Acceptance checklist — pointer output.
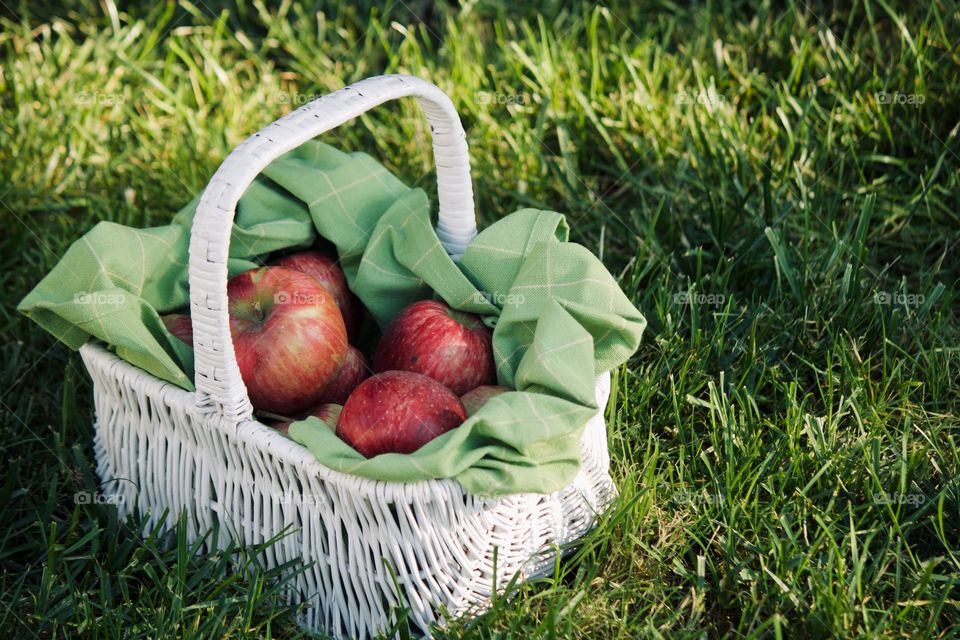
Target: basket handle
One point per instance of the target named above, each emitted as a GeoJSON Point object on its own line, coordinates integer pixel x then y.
{"type": "Point", "coordinates": [219, 386]}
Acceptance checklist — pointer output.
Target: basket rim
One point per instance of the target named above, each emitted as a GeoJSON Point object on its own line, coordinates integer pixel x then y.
{"type": "Point", "coordinates": [262, 437]}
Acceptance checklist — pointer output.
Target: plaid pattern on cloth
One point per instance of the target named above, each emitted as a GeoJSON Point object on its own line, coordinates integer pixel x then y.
{"type": "Point", "coordinates": [559, 317]}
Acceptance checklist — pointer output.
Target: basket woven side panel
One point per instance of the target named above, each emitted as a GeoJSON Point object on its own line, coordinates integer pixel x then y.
{"type": "Point", "coordinates": [374, 546]}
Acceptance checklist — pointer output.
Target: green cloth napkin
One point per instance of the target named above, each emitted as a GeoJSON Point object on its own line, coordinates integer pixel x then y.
{"type": "Point", "coordinates": [559, 317]}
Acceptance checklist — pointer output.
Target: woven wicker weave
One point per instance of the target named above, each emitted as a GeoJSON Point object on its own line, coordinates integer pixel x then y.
{"type": "Point", "coordinates": [205, 455]}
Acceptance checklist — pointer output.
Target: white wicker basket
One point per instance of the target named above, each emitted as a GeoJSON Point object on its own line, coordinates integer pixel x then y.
{"type": "Point", "coordinates": [205, 455]}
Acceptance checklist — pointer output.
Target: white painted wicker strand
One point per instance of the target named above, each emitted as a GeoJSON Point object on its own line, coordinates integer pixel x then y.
{"type": "Point", "coordinates": [160, 448]}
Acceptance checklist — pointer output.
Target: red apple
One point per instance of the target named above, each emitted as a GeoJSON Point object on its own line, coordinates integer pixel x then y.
{"type": "Point", "coordinates": [475, 398]}
{"type": "Point", "coordinates": [398, 412]}
{"type": "Point", "coordinates": [428, 337]}
{"type": "Point", "coordinates": [180, 326]}
{"type": "Point", "coordinates": [288, 336]}
{"type": "Point", "coordinates": [326, 271]}
{"type": "Point", "coordinates": [355, 370]}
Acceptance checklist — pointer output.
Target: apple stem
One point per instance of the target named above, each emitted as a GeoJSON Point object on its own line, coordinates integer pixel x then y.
{"type": "Point", "coordinates": [273, 416]}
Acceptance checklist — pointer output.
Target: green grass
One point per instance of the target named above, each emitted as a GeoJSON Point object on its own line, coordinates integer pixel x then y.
{"type": "Point", "coordinates": [760, 177]}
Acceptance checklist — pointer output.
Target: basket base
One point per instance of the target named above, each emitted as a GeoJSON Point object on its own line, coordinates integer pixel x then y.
{"type": "Point", "coordinates": [372, 547]}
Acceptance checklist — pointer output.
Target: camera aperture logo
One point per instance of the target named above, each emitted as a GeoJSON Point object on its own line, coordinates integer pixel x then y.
{"type": "Point", "coordinates": [496, 97]}
{"type": "Point", "coordinates": [500, 299]}
{"type": "Point", "coordinates": [899, 298]}
{"type": "Point", "coordinates": [100, 298]}
{"type": "Point", "coordinates": [299, 298]}
{"type": "Point", "coordinates": [910, 499]}
{"type": "Point", "coordinates": [96, 497]}
{"type": "Point", "coordinates": [698, 298]}
{"type": "Point", "coordinates": [295, 99]}
{"type": "Point", "coordinates": [900, 99]}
